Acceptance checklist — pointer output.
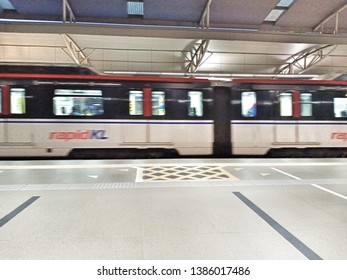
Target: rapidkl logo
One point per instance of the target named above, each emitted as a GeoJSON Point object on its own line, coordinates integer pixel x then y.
{"type": "Point", "coordinates": [339, 136]}
{"type": "Point", "coordinates": [78, 135]}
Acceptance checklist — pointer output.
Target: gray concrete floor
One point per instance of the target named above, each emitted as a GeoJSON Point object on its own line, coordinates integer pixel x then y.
{"type": "Point", "coordinates": [296, 209]}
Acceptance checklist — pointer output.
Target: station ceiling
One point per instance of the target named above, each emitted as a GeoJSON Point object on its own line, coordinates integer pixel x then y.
{"type": "Point", "coordinates": [219, 38]}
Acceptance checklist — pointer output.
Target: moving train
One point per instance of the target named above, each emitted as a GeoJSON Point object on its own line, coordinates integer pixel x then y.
{"type": "Point", "coordinates": [75, 112]}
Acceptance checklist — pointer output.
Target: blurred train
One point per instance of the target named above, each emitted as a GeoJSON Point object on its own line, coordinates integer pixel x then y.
{"type": "Point", "coordinates": [74, 112]}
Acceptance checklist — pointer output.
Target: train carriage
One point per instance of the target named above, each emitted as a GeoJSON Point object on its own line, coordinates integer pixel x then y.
{"type": "Point", "coordinates": [74, 112]}
{"type": "Point", "coordinates": [78, 115]}
{"type": "Point", "coordinates": [289, 117]}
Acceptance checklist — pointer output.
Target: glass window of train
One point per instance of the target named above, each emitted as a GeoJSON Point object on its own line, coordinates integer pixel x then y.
{"type": "Point", "coordinates": [78, 92]}
{"type": "Point", "coordinates": [306, 104]}
{"type": "Point", "coordinates": [249, 104]}
{"type": "Point", "coordinates": [286, 104]}
{"type": "Point", "coordinates": [340, 107]}
{"type": "Point", "coordinates": [136, 102]}
{"type": "Point", "coordinates": [195, 108]}
{"type": "Point", "coordinates": [76, 102]}
{"type": "Point", "coordinates": [77, 106]}
{"type": "Point", "coordinates": [17, 101]}
{"type": "Point", "coordinates": [0, 101]}
{"type": "Point", "coordinates": [158, 103]}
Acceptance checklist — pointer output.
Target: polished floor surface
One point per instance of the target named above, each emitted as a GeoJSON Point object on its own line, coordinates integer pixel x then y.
{"type": "Point", "coordinates": [174, 209]}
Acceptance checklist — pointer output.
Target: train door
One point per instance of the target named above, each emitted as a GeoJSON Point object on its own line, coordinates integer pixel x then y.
{"type": "Point", "coordinates": [13, 103]}
{"type": "Point", "coordinates": [137, 130]}
{"type": "Point", "coordinates": [19, 131]}
{"type": "Point", "coordinates": [146, 103]}
{"type": "Point", "coordinates": [1, 119]}
{"type": "Point", "coordinates": [159, 132]}
{"type": "Point", "coordinates": [4, 112]}
{"type": "Point", "coordinates": [286, 127]}
{"type": "Point", "coordinates": [293, 106]}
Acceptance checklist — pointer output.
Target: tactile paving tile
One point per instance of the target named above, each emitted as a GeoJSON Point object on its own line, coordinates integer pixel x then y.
{"type": "Point", "coordinates": [184, 173]}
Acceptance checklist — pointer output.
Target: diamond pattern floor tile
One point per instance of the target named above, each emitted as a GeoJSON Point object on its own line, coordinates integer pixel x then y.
{"type": "Point", "coordinates": [185, 173]}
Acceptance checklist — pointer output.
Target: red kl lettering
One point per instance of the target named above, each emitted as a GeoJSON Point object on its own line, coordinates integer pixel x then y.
{"type": "Point", "coordinates": [339, 136]}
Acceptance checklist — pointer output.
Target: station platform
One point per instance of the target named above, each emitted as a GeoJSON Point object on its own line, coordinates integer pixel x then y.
{"type": "Point", "coordinates": [215, 209]}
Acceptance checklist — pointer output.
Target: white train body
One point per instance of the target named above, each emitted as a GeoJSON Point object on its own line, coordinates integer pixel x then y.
{"type": "Point", "coordinates": [260, 137]}
{"type": "Point", "coordinates": [53, 138]}
{"type": "Point", "coordinates": [88, 115]}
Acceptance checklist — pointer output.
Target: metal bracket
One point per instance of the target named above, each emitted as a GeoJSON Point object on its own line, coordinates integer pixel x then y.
{"type": "Point", "coordinates": [300, 62]}
{"type": "Point", "coordinates": [336, 15]}
{"type": "Point", "coordinates": [74, 51]}
{"type": "Point", "coordinates": [196, 56]}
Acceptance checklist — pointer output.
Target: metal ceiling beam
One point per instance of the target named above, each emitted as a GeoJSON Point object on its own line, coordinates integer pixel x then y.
{"type": "Point", "coordinates": [173, 32]}
{"type": "Point", "coordinates": [302, 61]}
{"type": "Point", "coordinates": [74, 51]}
{"type": "Point", "coordinates": [336, 15]}
{"type": "Point", "coordinates": [205, 19]}
{"type": "Point", "coordinates": [68, 10]}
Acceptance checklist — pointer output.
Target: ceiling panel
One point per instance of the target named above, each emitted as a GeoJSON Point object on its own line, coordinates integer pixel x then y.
{"type": "Point", "coordinates": [178, 10]}
{"type": "Point", "coordinates": [117, 42]}
{"type": "Point", "coordinates": [142, 45]}
{"type": "Point", "coordinates": [256, 47]}
{"type": "Point", "coordinates": [81, 8]}
{"type": "Point", "coordinates": [31, 39]}
{"type": "Point", "coordinates": [303, 14]}
{"type": "Point", "coordinates": [241, 12]}
{"type": "Point", "coordinates": [309, 13]}
{"type": "Point", "coordinates": [112, 53]}
{"type": "Point", "coordinates": [102, 8]}
{"type": "Point", "coordinates": [38, 7]}
{"type": "Point", "coordinates": [341, 50]}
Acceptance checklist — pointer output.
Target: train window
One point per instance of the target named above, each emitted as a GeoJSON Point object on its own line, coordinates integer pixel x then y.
{"type": "Point", "coordinates": [249, 104]}
{"type": "Point", "coordinates": [158, 103]}
{"type": "Point", "coordinates": [79, 92]}
{"type": "Point", "coordinates": [0, 101]}
{"type": "Point", "coordinates": [136, 102]}
{"type": "Point", "coordinates": [306, 104]}
{"type": "Point", "coordinates": [340, 107]}
{"type": "Point", "coordinates": [286, 104]}
{"type": "Point", "coordinates": [17, 101]}
{"type": "Point", "coordinates": [195, 108]}
{"type": "Point", "coordinates": [78, 102]}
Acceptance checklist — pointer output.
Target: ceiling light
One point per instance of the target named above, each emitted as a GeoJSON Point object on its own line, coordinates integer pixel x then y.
{"type": "Point", "coordinates": [285, 3]}
{"type": "Point", "coordinates": [135, 7]}
{"type": "Point", "coordinates": [281, 7]}
{"type": "Point", "coordinates": [6, 5]}
{"type": "Point", "coordinates": [274, 15]}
